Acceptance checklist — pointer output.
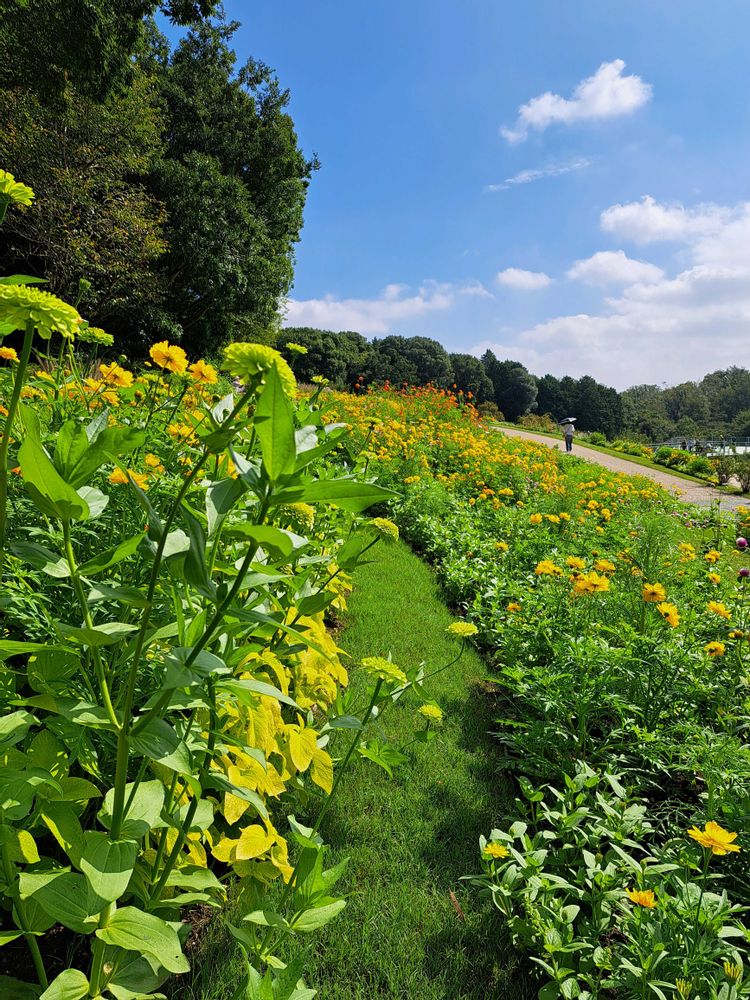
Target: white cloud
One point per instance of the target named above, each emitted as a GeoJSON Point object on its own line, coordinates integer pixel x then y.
{"type": "Point", "coordinates": [648, 221]}
{"type": "Point", "coordinates": [670, 329]}
{"type": "Point", "coordinates": [376, 315]}
{"type": "Point", "coordinates": [614, 267]}
{"type": "Point", "coordinates": [527, 281]}
{"type": "Point", "coordinates": [606, 94]}
{"type": "Point", "coordinates": [537, 174]}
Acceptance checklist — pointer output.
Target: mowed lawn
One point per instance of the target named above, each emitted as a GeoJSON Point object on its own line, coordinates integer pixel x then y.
{"type": "Point", "coordinates": [409, 839]}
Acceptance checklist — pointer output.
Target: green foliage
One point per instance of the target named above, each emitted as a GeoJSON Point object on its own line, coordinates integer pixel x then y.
{"type": "Point", "coordinates": [515, 388]}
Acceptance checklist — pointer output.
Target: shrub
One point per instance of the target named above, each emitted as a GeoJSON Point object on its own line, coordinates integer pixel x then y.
{"type": "Point", "coordinates": [490, 411]}
{"type": "Point", "coordinates": [596, 437]}
{"type": "Point", "coordinates": [742, 472]}
{"type": "Point", "coordinates": [699, 466]}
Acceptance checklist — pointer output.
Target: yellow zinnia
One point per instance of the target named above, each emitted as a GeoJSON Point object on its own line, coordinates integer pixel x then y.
{"type": "Point", "coordinates": [22, 304]}
{"type": "Point", "coordinates": [8, 354]}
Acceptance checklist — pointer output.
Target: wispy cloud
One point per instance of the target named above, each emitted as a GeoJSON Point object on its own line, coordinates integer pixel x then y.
{"type": "Point", "coordinates": [606, 94]}
{"type": "Point", "coordinates": [526, 281]}
{"type": "Point", "coordinates": [539, 173]}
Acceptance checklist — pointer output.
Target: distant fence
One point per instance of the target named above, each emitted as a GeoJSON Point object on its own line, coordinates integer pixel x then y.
{"type": "Point", "coordinates": [708, 446]}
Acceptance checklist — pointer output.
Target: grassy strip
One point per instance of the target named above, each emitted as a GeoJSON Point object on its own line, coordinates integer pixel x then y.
{"type": "Point", "coordinates": [409, 839]}
{"type": "Point", "coordinates": [635, 459]}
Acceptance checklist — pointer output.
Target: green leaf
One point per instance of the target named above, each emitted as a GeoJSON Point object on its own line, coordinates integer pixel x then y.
{"type": "Point", "coordinates": [96, 500]}
{"type": "Point", "coordinates": [22, 279]}
{"type": "Point", "coordinates": [122, 595]}
{"type": "Point", "coordinates": [108, 864]}
{"type": "Point", "coordinates": [69, 985]}
{"type": "Point", "coordinates": [220, 499]}
{"type": "Point", "coordinates": [62, 822]}
{"type": "Point", "coordinates": [317, 917]}
{"type": "Point", "coordinates": [136, 930]}
{"type": "Point", "coordinates": [135, 975]}
{"type": "Point", "coordinates": [14, 989]}
{"type": "Point", "coordinates": [247, 690]}
{"type": "Point", "coordinates": [63, 895]}
{"type": "Point", "coordinates": [73, 453]}
{"type": "Point", "coordinates": [265, 918]}
{"type": "Point", "coordinates": [50, 667]}
{"type": "Point", "coordinates": [276, 542]}
{"type": "Point", "coordinates": [349, 494]}
{"type": "Point", "coordinates": [196, 569]}
{"type": "Point", "coordinates": [7, 936]}
{"type": "Point", "coordinates": [218, 780]}
{"type": "Point", "coordinates": [179, 675]}
{"type": "Point", "coordinates": [145, 810]}
{"type": "Point", "coordinates": [14, 726]}
{"type": "Point", "coordinates": [10, 648]}
{"type": "Point", "coordinates": [18, 790]}
{"type": "Point", "coordinates": [100, 635]}
{"type": "Point", "coordinates": [160, 742]}
{"type": "Point", "coordinates": [112, 556]}
{"type": "Point", "coordinates": [274, 425]}
{"type": "Point", "coordinates": [48, 490]}
{"type": "Point", "coordinates": [42, 558]}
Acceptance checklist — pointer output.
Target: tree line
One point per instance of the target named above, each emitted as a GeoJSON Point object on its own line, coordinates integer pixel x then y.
{"type": "Point", "coordinates": [719, 404]}
{"type": "Point", "coordinates": [170, 182]}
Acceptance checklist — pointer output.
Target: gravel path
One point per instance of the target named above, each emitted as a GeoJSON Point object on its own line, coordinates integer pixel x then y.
{"type": "Point", "coordinates": [690, 492]}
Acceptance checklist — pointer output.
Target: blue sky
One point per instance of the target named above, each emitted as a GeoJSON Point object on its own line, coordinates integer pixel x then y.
{"type": "Point", "coordinates": [637, 153]}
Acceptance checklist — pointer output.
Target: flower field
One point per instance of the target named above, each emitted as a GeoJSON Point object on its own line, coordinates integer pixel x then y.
{"type": "Point", "coordinates": [618, 627]}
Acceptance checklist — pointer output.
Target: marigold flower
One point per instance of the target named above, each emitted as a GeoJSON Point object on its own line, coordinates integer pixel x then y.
{"type": "Point", "coordinates": [153, 461]}
{"type": "Point", "coordinates": [642, 897]}
{"type": "Point", "coordinates": [203, 373]}
{"type": "Point", "coordinates": [718, 608]}
{"type": "Point", "coordinates": [715, 838]}
{"type": "Point", "coordinates": [653, 593]}
{"type": "Point", "coordinates": [715, 648]}
{"type": "Point", "coordinates": [462, 629]}
{"type": "Point", "coordinates": [495, 850]}
{"type": "Point", "coordinates": [13, 192]}
{"type": "Point", "coordinates": [378, 666]}
{"type": "Point", "coordinates": [22, 304]}
{"type": "Point", "coordinates": [669, 613]}
{"type": "Point", "coordinates": [248, 362]}
{"type": "Point", "coordinates": [8, 354]}
{"type": "Point", "coordinates": [547, 568]}
{"type": "Point", "coordinates": [535, 519]}
{"type": "Point", "coordinates": [115, 375]}
{"type": "Point", "coordinates": [590, 583]}
{"type": "Point", "coordinates": [433, 713]}
{"type": "Point", "coordinates": [169, 357]}
{"type": "Point", "coordinates": [386, 530]}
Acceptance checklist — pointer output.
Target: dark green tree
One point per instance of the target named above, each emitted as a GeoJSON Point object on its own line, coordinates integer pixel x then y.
{"type": "Point", "coordinates": [414, 360]}
{"type": "Point", "coordinates": [687, 400]}
{"type": "Point", "coordinates": [233, 181]}
{"type": "Point", "coordinates": [469, 376]}
{"type": "Point", "coordinates": [339, 357]}
{"type": "Point", "coordinates": [644, 412]}
{"type": "Point", "coordinates": [598, 407]}
{"type": "Point", "coordinates": [727, 392]}
{"type": "Point", "coordinates": [515, 387]}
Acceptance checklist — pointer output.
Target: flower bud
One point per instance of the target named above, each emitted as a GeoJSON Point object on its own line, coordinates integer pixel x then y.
{"type": "Point", "coordinates": [741, 543]}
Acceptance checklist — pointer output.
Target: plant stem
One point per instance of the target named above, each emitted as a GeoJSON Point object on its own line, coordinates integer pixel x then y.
{"type": "Point", "coordinates": [20, 911]}
{"type": "Point", "coordinates": [5, 443]}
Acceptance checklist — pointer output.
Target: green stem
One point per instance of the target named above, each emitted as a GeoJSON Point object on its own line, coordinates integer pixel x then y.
{"type": "Point", "coordinates": [20, 912]}
{"type": "Point", "coordinates": [5, 443]}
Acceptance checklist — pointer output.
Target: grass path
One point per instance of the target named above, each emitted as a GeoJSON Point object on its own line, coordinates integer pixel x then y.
{"type": "Point", "coordinates": [410, 839]}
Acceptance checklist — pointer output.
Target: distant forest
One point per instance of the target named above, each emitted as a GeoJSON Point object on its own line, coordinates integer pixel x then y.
{"type": "Point", "coordinates": [719, 404]}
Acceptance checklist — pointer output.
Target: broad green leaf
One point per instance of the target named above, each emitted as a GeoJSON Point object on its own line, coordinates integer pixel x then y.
{"type": "Point", "coordinates": [63, 895]}
{"type": "Point", "coordinates": [22, 279]}
{"type": "Point", "coordinates": [74, 789]}
{"type": "Point", "coordinates": [10, 648]}
{"type": "Point", "coordinates": [18, 790]}
{"type": "Point", "coordinates": [7, 936]}
{"type": "Point", "coordinates": [265, 918]}
{"type": "Point", "coordinates": [42, 558]}
{"type": "Point", "coordinates": [119, 441]}
{"type": "Point", "coordinates": [131, 596]}
{"type": "Point", "coordinates": [73, 450]}
{"type": "Point", "coordinates": [136, 930]}
{"type": "Point", "coordinates": [96, 500]}
{"type": "Point", "coordinates": [100, 635]}
{"type": "Point", "coordinates": [49, 668]}
{"type": "Point", "coordinates": [108, 864]}
{"type": "Point", "coordinates": [135, 976]}
{"type": "Point", "coordinates": [62, 822]}
{"type": "Point", "coordinates": [193, 877]}
{"type": "Point", "coordinates": [14, 726]}
{"type": "Point", "coordinates": [220, 499]}
{"type": "Point", "coordinates": [160, 742]}
{"type": "Point", "coordinates": [248, 689]}
{"type": "Point", "coordinates": [318, 917]}
{"type": "Point", "coordinates": [276, 542]}
{"type": "Point", "coordinates": [180, 675]}
{"type": "Point", "coordinates": [218, 780]}
{"type": "Point", "coordinates": [274, 424]}
{"type": "Point", "coordinates": [196, 568]}
{"type": "Point", "coordinates": [145, 810]}
{"type": "Point", "coordinates": [112, 556]}
{"type": "Point", "coordinates": [69, 985]}
{"type": "Point", "coordinates": [46, 487]}
{"type": "Point", "coordinates": [349, 494]}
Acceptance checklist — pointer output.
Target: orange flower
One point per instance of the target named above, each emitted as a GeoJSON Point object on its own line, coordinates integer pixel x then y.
{"type": "Point", "coordinates": [202, 372]}
{"type": "Point", "coordinates": [115, 375]}
{"type": "Point", "coordinates": [8, 354]}
{"type": "Point", "coordinates": [642, 897]}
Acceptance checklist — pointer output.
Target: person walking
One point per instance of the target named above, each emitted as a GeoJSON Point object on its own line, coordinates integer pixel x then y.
{"type": "Point", "coordinates": [568, 431]}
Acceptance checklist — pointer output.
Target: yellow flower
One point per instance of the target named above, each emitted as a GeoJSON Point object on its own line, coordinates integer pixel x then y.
{"type": "Point", "coordinates": [13, 192]}
{"type": "Point", "coordinates": [120, 478]}
{"type": "Point", "coordinates": [202, 372]}
{"type": "Point", "coordinates": [642, 897]}
{"type": "Point", "coordinates": [22, 304]}
{"type": "Point", "coordinates": [712, 556]}
{"type": "Point", "coordinates": [169, 356]}
{"type": "Point", "coordinates": [295, 348]}
{"type": "Point", "coordinates": [462, 629]}
{"type": "Point", "coordinates": [502, 546]}
{"type": "Point", "coordinates": [654, 592]}
{"type": "Point", "coordinates": [153, 462]}
{"type": "Point", "coordinates": [604, 566]}
{"type": "Point", "coordinates": [535, 519]}
{"type": "Point", "coordinates": [714, 838]}
{"type": "Point", "coordinates": [386, 530]}
{"type": "Point", "coordinates": [732, 971]}
{"type": "Point", "coordinates": [684, 988]}
{"type": "Point", "coordinates": [547, 568]}
{"type": "Point", "coordinates": [248, 362]}
{"type": "Point", "coordinates": [408, 480]}
{"type": "Point", "coordinates": [714, 578]}
{"type": "Point", "coordinates": [8, 354]}
{"type": "Point", "coordinates": [590, 583]}
{"type": "Point", "coordinates": [669, 613]}
{"type": "Point", "coordinates": [495, 850]}
{"type": "Point", "coordinates": [715, 648]}
{"type": "Point", "coordinates": [552, 518]}
{"type": "Point", "coordinates": [687, 550]}
{"type": "Point", "coordinates": [717, 608]}
{"type": "Point", "coordinates": [433, 713]}
{"type": "Point", "coordinates": [575, 562]}
{"type": "Point", "coordinates": [378, 666]}
{"type": "Point", "coordinates": [95, 335]}
{"type": "Point", "coordinates": [115, 375]}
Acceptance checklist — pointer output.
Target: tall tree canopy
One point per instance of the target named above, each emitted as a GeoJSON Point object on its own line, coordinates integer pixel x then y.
{"type": "Point", "coordinates": [469, 376]}
{"type": "Point", "coordinates": [515, 387]}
